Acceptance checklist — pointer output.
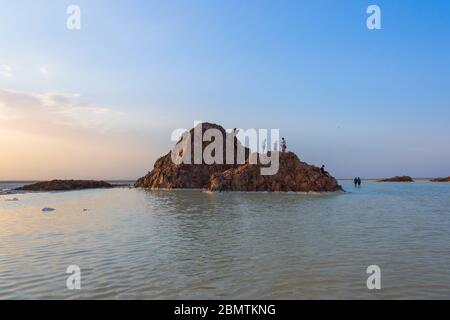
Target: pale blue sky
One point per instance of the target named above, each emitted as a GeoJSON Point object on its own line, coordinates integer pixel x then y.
{"type": "Point", "coordinates": [367, 103]}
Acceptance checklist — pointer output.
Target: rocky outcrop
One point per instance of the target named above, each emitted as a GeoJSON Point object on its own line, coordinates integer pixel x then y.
{"type": "Point", "coordinates": [398, 179]}
{"type": "Point", "coordinates": [65, 185]}
{"type": "Point", "coordinates": [168, 175]}
{"type": "Point", "coordinates": [293, 175]}
{"type": "Point", "coordinates": [441, 180]}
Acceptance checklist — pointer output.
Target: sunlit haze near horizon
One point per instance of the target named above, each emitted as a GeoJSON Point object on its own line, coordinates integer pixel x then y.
{"type": "Point", "coordinates": [101, 102]}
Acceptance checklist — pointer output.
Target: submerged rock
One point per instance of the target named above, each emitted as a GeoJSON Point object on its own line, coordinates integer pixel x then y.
{"type": "Point", "coordinates": [398, 179]}
{"type": "Point", "coordinates": [65, 185]}
{"type": "Point", "coordinates": [48, 209]}
{"type": "Point", "coordinates": [293, 175]}
{"type": "Point", "coordinates": [441, 179]}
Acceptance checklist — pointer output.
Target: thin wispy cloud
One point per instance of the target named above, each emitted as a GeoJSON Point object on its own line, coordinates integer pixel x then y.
{"type": "Point", "coordinates": [56, 110]}
{"type": "Point", "coordinates": [6, 71]}
{"type": "Point", "coordinates": [43, 70]}
{"type": "Point", "coordinates": [50, 135]}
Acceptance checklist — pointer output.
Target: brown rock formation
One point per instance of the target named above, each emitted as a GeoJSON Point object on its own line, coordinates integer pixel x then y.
{"type": "Point", "coordinates": [65, 185]}
{"type": "Point", "coordinates": [398, 179]}
{"type": "Point", "coordinates": [441, 180]}
{"type": "Point", "coordinates": [168, 175]}
{"type": "Point", "coordinates": [293, 175]}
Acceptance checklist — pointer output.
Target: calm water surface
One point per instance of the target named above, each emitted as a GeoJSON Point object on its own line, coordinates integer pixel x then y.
{"type": "Point", "coordinates": [133, 244]}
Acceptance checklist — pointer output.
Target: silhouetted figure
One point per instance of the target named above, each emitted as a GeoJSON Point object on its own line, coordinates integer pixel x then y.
{"type": "Point", "coordinates": [359, 182]}
{"type": "Point", "coordinates": [322, 170]}
{"type": "Point", "coordinates": [283, 145]}
{"type": "Point", "coordinates": [355, 181]}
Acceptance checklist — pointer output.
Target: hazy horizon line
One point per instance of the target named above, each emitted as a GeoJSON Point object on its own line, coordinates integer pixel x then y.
{"type": "Point", "coordinates": [121, 180]}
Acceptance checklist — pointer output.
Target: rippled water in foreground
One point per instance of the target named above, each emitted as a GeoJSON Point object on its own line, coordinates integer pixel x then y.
{"type": "Point", "coordinates": [194, 245]}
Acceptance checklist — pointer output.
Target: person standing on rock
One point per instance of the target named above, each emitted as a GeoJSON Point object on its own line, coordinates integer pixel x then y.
{"type": "Point", "coordinates": [283, 145]}
{"type": "Point", "coordinates": [359, 182]}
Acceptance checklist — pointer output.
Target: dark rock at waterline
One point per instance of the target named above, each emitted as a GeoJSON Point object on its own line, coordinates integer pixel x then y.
{"type": "Point", "coordinates": [65, 185]}
{"type": "Point", "coordinates": [441, 180]}
{"type": "Point", "coordinates": [293, 175]}
{"type": "Point", "coordinates": [398, 179]}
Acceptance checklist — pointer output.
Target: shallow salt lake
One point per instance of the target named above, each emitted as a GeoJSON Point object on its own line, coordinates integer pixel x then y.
{"type": "Point", "coordinates": [135, 244]}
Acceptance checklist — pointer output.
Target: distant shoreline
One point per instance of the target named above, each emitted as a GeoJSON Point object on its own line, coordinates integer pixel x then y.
{"type": "Point", "coordinates": [377, 179]}
{"type": "Point", "coordinates": [32, 181]}
{"type": "Point", "coordinates": [133, 180]}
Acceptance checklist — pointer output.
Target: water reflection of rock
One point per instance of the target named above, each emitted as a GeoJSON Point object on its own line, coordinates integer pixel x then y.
{"type": "Point", "coordinates": [216, 231]}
